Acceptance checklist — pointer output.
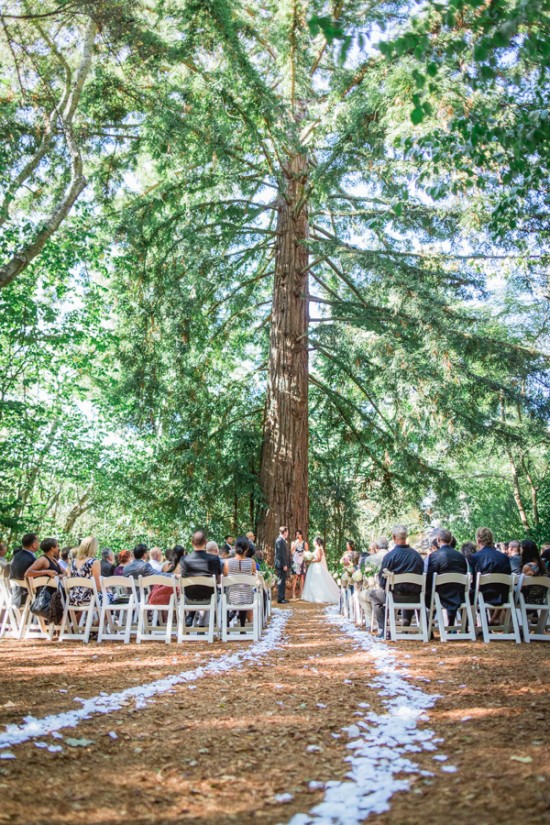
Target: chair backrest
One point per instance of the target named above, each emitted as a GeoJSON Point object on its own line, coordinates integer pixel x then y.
{"type": "Point", "coordinates": [240, 578]}
{"type": "Point", "coordinates": [122, 582]}
{"type": "Point", "coordinates": [20, 583]}
{"type": "Point", "coordinates": [495, 578]}
{"type": "Point", "coordinates": [40, 581]}
{"type": "Point", "coordinates": [203, 581]}
{"type": "Point", "coordinates": [405, 578]}
{"type": "Point", "coordinates": [540, 581]}
{"type": "Point", "coordinates": [79, 581]}
{"type": "Point", "coordinates": [462, 579]}
{"type": "Point", "coordinates": [146, 583]}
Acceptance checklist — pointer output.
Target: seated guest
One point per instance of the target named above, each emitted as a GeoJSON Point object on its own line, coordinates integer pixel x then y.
{"type": "Point", "coordinates": [139, 566]}
{"type": "Point", "coordinates": [124, 558]}
{"type": "Point", "coordinates": [64, 558]}
{"type": "Point", "coordinates": [514, 554]}
{"type": "Point", "coordinates": [107, 562]}
{"type": "Point", "coordinates": [200, 563]}
{"type": "Point", "coordinates": [240, 563]}
{"type": "Point", "coordinates": [155, 558]}
{"type": "Point", "coordinates": [160, 593]}
{"type": "Point", "coordinates": [446, 560]}
{"type": "Point", "coordinates": [545, 555]}
{"type": "Point", "coordinates": [378, 550]}
{"type": "Point", "coordinates": [258, 554]}
{"type": "Point", "coordinates": [87, 566]}
{"type": "Point", "coordinates": [3, 553]}
{"type": "Point", "coordinates": [468, 549]}
{"type": "Point", "coordinates": [532, 565]}
{"type": "Point", "coordinates": [20, 563]}
{"type": "Point", "coordinates": [212, 547]}
{"type": "Point", "coordinates": [48, 563]}
{"type": "Point", "coordinates": [402, 559]}
{"type": "Point", "coordinates": [489, 560]}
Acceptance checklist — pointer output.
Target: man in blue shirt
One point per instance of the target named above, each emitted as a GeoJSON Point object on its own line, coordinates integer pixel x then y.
{"type": "Point", "coordinates": [402, 559]}
{"type": "Point", "coordinates": [490, 560]}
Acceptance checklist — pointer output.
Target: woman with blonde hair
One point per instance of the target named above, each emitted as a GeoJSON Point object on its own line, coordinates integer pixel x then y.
{"type": "Point", "coordinates": [86, 565]}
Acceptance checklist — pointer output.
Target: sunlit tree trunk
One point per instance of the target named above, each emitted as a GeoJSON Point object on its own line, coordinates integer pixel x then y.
{"type": "Point", "coordinates": [284, 466]}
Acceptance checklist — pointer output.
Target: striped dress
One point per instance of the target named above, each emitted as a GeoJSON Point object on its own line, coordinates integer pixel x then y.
{"type": "Point", "coordinates": [240, 593]}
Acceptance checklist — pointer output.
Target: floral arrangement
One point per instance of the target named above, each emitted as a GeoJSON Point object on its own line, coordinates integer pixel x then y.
{"type": "Point", "coordinates": [357, 576]}
{"type": "Point", "coordinates": [309, 555]}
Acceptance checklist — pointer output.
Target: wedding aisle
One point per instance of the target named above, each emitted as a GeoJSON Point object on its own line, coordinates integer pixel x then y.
{"type": "Point", "coordinates": [243, 735]}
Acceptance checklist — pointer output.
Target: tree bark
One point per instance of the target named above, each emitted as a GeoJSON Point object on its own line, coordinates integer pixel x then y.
{"type": "Point", "coordinates": [284, 464]}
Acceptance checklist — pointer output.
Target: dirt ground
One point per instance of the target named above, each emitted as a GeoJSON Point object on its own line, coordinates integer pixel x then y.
{"type": "Point", "coordinates": [222, 752]}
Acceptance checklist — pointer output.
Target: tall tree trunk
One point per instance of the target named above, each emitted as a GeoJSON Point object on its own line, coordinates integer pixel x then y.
{"type": "Point", "coordinates": [284, 465]}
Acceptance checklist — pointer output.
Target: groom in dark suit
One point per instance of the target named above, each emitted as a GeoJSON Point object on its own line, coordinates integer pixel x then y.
{"type": "Point", "coordinates": [282, 563]}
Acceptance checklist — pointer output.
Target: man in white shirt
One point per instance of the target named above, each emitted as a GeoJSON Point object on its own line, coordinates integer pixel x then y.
{"type": "Point", "coordinates": [155, 559]}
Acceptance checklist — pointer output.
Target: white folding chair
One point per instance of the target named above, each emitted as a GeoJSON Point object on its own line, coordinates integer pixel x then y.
{"type": "Point", "coordinates": [239, 633]}
{"type": "Point", "coordinates": [116, 618]}
{"type": "Point", "coordinates": [415, 603]}
{"type": "Point", "coordinates": [509, 629]}
{"type": "Point", "coordinates": [156, 621]}
{"type": "Point", "coordinates": [466, 629]}
{"type": "Point", "coordinates": [78, 619]}
{"type": "Point", "coordinates": [13, 616]}
{"type": "Point", "coordinates": [188, 609]}
{"type": "Point", "coordinates": [22, 616]}
{"type": "Point", "coordinates": [345, 601]}
{"type": "Point", "coordinates": [36, 626]}
{"type": "Point", "coordinates": [538, 631]}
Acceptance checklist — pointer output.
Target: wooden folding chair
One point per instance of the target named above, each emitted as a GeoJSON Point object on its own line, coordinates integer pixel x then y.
{"type": "Point", "coordinates": [509, 629]}
{"type": "Point", "coordinates": [466, 629]}
{"type": "Point", "coordinates": [78, 619]}
{"type": "Point", "coordinates": [415, 603]}
{"type": "Point", "coordinates": [116, 618]}
{"type": "Point", "coordinates": [189, 609]}
{"type": "Point", "coordinates": [538, 631]}
{"type": "Point", "coordinates": [156, 621]}
{"type": "Point", "coordinates": [239, 633]}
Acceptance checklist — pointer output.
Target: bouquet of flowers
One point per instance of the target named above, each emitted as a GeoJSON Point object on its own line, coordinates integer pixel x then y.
{"type": "Point", "coordinates": [345, 579]}
{"type": "Point", "coordinates": [357, 576]}
{"type": "Point", "coordinates": [309, 555]}
{"type": "Point", "coordinates": [370, 573]}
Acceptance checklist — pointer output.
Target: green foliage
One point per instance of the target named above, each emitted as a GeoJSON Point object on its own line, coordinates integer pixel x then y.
{"type": "Point", "coordinates": [134, 349]}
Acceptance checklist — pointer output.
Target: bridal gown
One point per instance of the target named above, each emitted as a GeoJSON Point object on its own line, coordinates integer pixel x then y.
{"type": "Point", "coordinates": [320, 587]}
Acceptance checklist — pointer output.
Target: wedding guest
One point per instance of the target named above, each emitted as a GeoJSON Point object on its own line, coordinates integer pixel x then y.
{"type": "Point", "coordinates": [139, 566]}
{"type": "Point", "coordinates": [282, 564]}
{"type": "Point", "coordinates": [545, 555]}
{"type": "Point", "coordinates": [86, 565]}
{"type": "Point", "coordinates": [200, 563]}
{"type": "Point", "coordinates": [348, 557]}
{"type": "Point", "coordinates": [298, 548]}
{"type": "Point", "coordinates": [161, 593]}
{"type": "Point", "coordinates": [532, 565]}
{"type": "Point", "coordinates": [514, 554]}
{"type": "Point", "coordinates": [378, 550]}
{"type": "Point", "coordinates": [212, 547]}
{"type": "Point", "coordinates": [446, 559]}
{"type": "Point", "coordinates": [107, 562]}
{"type": "Point", "coordinates": [229, 541]}
{"type": "Point", "coordinates": [124, 558]}
{"type": "Point", "coordinates": [489, 560]}
{"type": "Point", "coordinates": [155, 559]}
{"type": "Point", "coordinates": [3, 553]}
{"type": "Point", "coordinates": [173, 558]}
{"type": "Point", "coordinates": [20, 563]}
{"type": "Point", "coordinates": [401, 559]}
{"type": "Point", "coordinates": [468, 549]}
{"type": "Point", "coordinates": [64, 558]}
{"type": "Point", "coordinates": [48, 563]}
{"type": "Point", "coordinates": [240, 563]}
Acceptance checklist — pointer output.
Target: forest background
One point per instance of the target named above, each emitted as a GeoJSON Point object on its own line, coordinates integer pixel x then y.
{"type": "Point", "coordinates": [148, 152]}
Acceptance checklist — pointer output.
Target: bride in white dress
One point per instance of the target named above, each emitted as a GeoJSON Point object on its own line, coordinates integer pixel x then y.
{"type": "Point", "coordinates": [320, 587]}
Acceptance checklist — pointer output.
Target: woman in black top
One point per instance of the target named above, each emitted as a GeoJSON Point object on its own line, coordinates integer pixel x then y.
{"type": "Point", "coordinates": [47, 564]}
